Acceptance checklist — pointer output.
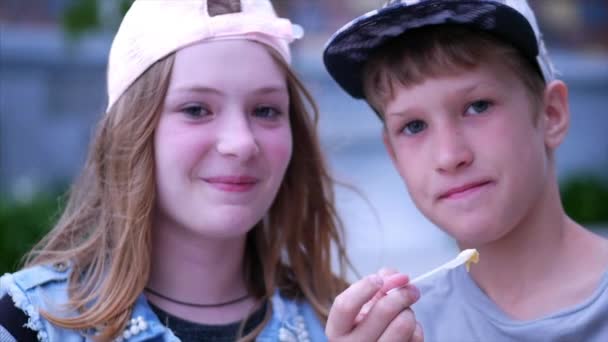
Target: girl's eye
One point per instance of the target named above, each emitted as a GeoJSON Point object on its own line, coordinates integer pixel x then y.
{"type": "Point", "coordinates": [414, 127]}
{"type": "Point", "coordinates": [478, 107]}
{"type": "Point", "coordinates": [195, 111]}
{"type": "Point", "coordinates": [266, 112]}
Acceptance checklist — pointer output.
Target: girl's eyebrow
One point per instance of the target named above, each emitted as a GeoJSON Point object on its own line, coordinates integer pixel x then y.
{"type": "Point", "coordinates": [269, 89]}
{"type": "Point", "coordinates": [195, 89]}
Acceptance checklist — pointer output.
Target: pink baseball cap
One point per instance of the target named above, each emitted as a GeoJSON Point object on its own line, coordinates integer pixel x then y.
{"type": "Point", "coordinates": [153, 29]}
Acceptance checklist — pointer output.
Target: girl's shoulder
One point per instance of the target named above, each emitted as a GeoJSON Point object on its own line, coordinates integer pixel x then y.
{"type": "Point", "coordinates": [34, 288]}
{"type": "Point", "coordinates": [29, 278]}
{"type": "Point", "coordinates": [37, 284]}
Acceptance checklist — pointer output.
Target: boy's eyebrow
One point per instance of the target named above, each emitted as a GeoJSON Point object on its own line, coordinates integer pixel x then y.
{"type": "Point", "coordinates": [409, 111]}
{"type": "Point", "coordinates": [413, 110]}
{"type": "Point", "coordinates": [477, 85]}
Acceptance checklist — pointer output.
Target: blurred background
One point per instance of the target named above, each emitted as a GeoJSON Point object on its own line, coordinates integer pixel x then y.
{"type": "Point", "coordinates": [53, 57]}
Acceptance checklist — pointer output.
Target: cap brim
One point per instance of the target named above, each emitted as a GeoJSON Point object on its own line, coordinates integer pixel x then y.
{"type": "Point", "coordinates": [350, 48]}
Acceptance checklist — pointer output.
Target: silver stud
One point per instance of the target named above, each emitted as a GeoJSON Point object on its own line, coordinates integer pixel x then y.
{"type": "Point", "coordinates": [286, 335]}
{"type": "Point", "coordinates": [60, 266]}
{"type": "Point", "coordinates": [142, 325]}
{"type": "Point", "coordinates": [134, 330]}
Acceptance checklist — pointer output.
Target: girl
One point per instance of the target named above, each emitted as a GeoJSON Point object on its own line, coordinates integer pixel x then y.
{"type": "Point", "coordinates": [205, 210]}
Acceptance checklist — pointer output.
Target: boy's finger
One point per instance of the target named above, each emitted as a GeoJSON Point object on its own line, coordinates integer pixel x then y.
{"type": "Point", "coordinates": [384, 272]}
{"type": "Point", "coordinates": [394, 281]}
{"type": "Point", "coordinates": [418, 334]}
{"type": "Point", "coordinates": [365, 309]}
{"type": "Point", "coordinates": [402, 328]}
{"type": "Point", "coordinates": [349, 303]}
{"type": "Point", "coordinates": [384, 312]}
{"type": "Point", "coordinates": [390, 282]}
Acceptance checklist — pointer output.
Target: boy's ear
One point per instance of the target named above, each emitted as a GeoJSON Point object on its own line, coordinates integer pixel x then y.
{"type": "Point", "coordinates": [555, 113]}
{"type": "Point", "coordinates": [388, 146]}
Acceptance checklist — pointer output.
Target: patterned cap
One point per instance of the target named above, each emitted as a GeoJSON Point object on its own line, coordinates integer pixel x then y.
{"type": "Point", "coordinates": [153, 29]}
{"type": "Point", "coordinates": [350, 47]}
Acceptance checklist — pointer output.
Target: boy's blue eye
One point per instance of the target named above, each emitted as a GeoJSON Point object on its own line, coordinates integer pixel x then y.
{"type": "Point", "coordinates": [266, 112]}
{"type": "Point", "coordinates": [195, 111]}
{"type": "Point", "coordinates": [478, 107]}
{"type": "Point", "coordinates": [414, 127]}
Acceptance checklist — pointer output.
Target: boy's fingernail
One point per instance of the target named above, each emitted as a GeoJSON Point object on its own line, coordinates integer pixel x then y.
{"type": "Point", "coordinates": [418, 332]}
{"type": "Point", "coordinates": [415, 292]}
{"type": "Point", "coordinates": [376, 280]}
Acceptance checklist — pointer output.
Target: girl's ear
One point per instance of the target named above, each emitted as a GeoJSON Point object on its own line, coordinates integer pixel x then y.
{"type": "Point", "coordinates": [555, 113]}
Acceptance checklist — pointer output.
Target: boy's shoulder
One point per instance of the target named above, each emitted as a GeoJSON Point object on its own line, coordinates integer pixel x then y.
{"type": "Point", "coordinates": [453, 308]}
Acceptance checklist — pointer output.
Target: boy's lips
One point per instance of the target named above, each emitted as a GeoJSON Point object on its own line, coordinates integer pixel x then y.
{"type": "Point", "coordinates": [232, 183]}
{"type": "Point", "coordinates": [462, 190]}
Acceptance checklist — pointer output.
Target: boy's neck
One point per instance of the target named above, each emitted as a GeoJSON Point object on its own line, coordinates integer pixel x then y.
{"type": "Point", "coordinates": [546, 263]}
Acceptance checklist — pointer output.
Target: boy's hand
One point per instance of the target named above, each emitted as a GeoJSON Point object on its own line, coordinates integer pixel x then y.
{"type": "Point", "coordinates": [364, 312]}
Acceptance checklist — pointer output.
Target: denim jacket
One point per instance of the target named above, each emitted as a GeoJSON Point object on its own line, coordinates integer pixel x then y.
{"type": "Point", "coordinates": [45, 287]}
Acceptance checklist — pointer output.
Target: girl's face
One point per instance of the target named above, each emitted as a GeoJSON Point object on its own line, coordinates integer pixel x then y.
{"type": "Point", "coordinates": [223, 142]}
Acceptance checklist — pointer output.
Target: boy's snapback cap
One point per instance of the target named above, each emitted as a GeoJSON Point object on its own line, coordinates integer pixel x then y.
{"type": "Point", "coordinates": [350, 47]}
{"type": "Point", "coordinates": [153, 29]}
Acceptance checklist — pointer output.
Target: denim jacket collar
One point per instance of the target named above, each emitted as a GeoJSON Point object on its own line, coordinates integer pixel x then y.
{"type": "Point", "coordinates": [36, 288]}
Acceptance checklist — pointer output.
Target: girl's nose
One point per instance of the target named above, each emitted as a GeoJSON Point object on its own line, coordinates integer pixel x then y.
{"type": "Point", "coordinates": [237, 139]}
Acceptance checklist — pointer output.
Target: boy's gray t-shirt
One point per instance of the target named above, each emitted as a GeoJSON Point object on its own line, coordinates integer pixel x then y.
{"type": "Point", "coordinates": [453, 308]}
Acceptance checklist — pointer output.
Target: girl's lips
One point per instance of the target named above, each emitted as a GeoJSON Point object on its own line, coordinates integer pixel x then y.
{"type": "Point", "coordinates": [232, 183]}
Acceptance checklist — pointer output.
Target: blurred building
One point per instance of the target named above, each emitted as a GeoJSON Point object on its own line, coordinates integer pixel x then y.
{"type": "Point", "coordinates": [52, 91]}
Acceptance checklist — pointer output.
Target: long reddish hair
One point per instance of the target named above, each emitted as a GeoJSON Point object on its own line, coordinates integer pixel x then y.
{"type": "Point", "coordinates": [104, 233]}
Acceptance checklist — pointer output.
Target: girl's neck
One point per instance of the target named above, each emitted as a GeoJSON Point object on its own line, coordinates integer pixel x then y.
{"type": "Point", "coordinates": [546, 263]}
{"type": "Point", "coordinates": [189, 268]}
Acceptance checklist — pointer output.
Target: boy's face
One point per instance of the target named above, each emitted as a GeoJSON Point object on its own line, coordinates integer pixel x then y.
{"type": "Point", "coordinates": [469, 150]}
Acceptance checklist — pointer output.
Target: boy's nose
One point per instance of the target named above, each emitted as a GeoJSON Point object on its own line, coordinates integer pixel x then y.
{"type": "Point", "coordinates": [237, 139]}
{"type": "Point", "coordinates": [453, 152]}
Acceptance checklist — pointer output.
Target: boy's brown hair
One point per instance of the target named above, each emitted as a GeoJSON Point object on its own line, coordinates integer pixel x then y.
{"type": "Point", "coordinates": [441, 50]}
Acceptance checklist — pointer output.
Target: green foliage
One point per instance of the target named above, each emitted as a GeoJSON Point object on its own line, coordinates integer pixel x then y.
{"type": "Point", "coordinates": [124, 6]}
{"type": "Point", "coordinates": [83, 15]}
{"type": "Point", "coordinates": [585, 198]}
{"type": "Point", "coordinates": [22, 225]}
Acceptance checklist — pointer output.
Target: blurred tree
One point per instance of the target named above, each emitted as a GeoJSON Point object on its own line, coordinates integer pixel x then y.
{"type": "Point", "coordinates": [22, 225]}
{"type": "Point", "coordinates": [585, 198]}
{"type": "Point", "coordinates": [89, 15]}
{"type": "Point", "coordinates": [81, 16]}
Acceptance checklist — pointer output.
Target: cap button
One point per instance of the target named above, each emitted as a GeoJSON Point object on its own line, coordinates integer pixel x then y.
{"type": "Point", "coordinates": [297, 31]}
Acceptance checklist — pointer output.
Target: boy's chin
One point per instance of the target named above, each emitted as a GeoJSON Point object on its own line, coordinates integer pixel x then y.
{"type": "Point", "coordinates": [472, 234]}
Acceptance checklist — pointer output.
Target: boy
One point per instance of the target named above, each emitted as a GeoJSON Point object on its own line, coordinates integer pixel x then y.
{"type": "Point", "coordinates": [472, 116]}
